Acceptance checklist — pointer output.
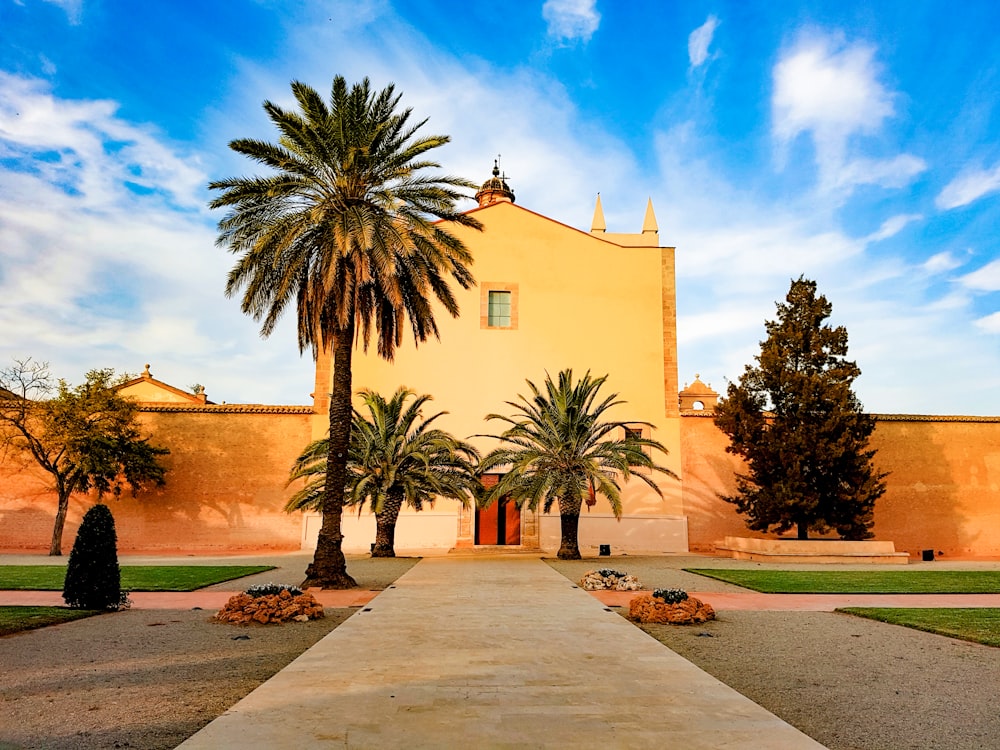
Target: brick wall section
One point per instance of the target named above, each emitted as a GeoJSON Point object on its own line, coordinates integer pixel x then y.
{"type": "Point", "coordinates": [225, 488]}
{"type": "Point", "coordinates": [943, 491]}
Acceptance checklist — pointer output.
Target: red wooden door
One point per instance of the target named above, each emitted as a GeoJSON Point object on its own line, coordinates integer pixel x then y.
{"type": "Point", "coordinates": [498, 524]}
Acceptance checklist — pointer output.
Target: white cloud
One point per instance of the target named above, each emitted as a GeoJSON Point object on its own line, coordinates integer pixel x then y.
{"type": "Point", "coordinates": [969, 186]}
{"type": "Point", "coordinates": [989, 324]}
{"type": "Point", "coordinates": [571, 19]}
{"type": "Point", "coordinates": [95, 273]}
{"type": "Point", "coordinates": [985, 279]}
{"type": "Point", "coordinates": [699, 41]}
{"type": "Point", "coordinates": [892, 226]}
{"type": "Point", "coordinates": [73, 8]}
{"type": "Point", "coordinates": [830, 91]}
{"type": "Point", "coordinates": [941, 263]}
{"type": "Point", "coordinates": [85, 147]}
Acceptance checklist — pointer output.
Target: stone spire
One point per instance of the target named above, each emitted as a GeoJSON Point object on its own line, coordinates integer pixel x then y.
{"type": "Point", "coordinates": [598, 225]}
{"type": "Point", "coordinates": [649, 225]}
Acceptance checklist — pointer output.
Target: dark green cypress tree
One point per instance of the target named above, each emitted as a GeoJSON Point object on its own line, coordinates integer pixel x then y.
{"type": "Point", "coordinates": [797, 424]}
{"type": "Point", "coordinates": [93, 579]}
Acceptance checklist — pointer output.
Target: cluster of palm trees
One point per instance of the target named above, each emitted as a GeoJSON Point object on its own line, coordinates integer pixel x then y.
{"type": "Point", "coordinates": [351, 227]}
{"type": "Point", "coordinates": [556, 449]}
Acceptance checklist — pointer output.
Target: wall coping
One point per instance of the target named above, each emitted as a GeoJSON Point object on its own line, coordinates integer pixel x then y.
{"type": "Point", "coordinates": [885, 417]}
{"type": "Point", "coordinates": [227, 408]}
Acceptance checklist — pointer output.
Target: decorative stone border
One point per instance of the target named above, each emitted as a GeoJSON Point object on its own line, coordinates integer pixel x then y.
{"type": "Point", "coordinates": [812, 551]}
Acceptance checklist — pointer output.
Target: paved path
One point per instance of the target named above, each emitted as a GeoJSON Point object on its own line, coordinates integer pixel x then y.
{"type": "Point", "coordinates": [493, 653]}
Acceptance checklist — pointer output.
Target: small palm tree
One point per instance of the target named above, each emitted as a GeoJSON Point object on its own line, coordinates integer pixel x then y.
{"type": "Point", "coordinates": [344, 228]}
{"type": "Point", "coordinates": [559, 449]}
{"type": "Point", "coordinates": [392, 460]}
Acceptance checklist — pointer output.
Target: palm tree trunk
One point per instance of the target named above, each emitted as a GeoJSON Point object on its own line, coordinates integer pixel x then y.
{"type": "Point", "coordinates": [329, 567]}
{"type": "Point", "coordinates": [385, 527]}
{"type": "Point", "coordinates": [803, 529]}
{"type": "Point", "coordinates": [55, 548]}
{"type": "Point", "coordinates": [569, 521]}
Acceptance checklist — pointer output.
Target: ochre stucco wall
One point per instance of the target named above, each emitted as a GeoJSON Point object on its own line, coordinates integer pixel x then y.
{"type": "Point", "coordinates": [582, 302]}
{"type": "Point", "coordinates": [943, 489]}
{"type": "Point", "coordinates": [225, 488]}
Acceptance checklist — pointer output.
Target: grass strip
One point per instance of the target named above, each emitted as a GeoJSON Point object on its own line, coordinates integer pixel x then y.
{"type": "Point", "coordinates": [17, 619]}
{"type": "Point", "coordinates": [858, 581]}
{"type": "Point", "coordinates": [980, 625]}
{"type": "Point", "coordinates": [134, 577]}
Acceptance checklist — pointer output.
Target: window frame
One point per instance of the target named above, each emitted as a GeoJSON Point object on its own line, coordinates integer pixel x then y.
{"type": "Point", "coordinates": [484, 304]}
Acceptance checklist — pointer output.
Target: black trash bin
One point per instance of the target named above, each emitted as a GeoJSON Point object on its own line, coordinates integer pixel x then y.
{"type": "Point", "coordinates": [927, 555]}
{"type": "Point", "coordinates": [605, 550]}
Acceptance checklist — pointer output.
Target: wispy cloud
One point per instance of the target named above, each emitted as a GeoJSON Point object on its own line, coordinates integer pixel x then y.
{"type": "Point", "coordinates": [892, 226]}
{"type": "Point", "coordinates": [984, 279]}
{"type": "Point", "coordinates": [87, 149]}
{"type": "Point", "coordinates": [569, 20]}
{"type": "Point", "coordinates": [73, 8]}
{"type": "Point", "coordinates": [108, 250]}
{"type": "Point", "coordinates": [831, 91]}
{"type": "Point", "coordinates": [942, 263]}
{"type": "Point", "coordinates": [699, 41]}
{"type": "Point", "coordinates": [990, 323]}
{"type": "Point", "coordinates": [969, 186]}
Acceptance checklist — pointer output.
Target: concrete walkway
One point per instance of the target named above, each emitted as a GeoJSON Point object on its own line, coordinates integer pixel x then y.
{"type": "Point", "coordinates": [493, 653]}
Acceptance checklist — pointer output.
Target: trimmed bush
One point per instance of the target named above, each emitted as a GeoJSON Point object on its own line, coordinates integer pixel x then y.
{"type": "Point", "coordinates": [93, 579]}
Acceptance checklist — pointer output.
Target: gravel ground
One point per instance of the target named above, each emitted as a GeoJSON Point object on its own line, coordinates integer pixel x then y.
{"type": "Point", "coordinates": [850, 683]}
{"type": "Point", "coordinates": [151, 678]}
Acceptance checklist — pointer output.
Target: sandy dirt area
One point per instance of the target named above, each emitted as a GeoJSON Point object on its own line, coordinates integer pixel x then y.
{"type": "Point", "coordinates": [847, 682]}
{"type": "Point", "coordinates": [151, 678]}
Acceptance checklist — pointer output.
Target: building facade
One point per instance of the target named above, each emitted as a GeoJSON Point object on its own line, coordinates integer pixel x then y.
{"type": "Point", "coordinates": [549, 297]}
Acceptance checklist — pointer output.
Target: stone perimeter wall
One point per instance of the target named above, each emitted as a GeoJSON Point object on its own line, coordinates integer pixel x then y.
{"type": "Point", "coordinates": [228, 464]}
{"type": "Point", "coordinates": [943, 489]}
{"type": "Point", "coordinates": [224, 492]}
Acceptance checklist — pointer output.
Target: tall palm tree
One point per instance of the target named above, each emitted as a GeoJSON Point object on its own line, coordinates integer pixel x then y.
{"type": "Point", "coordinates": [343, 226]}
{"type": "Point", "coordinates": [393, 460]}
{"type": "Point", "coordinates": [558, 448]}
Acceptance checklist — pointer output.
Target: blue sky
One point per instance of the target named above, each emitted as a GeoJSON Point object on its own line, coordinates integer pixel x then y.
{"type": "Point", "coordinates": [857, 143]}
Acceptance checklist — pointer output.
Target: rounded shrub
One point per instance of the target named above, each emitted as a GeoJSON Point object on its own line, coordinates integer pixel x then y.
{"type": "Point", "coordinates": [93, 579]}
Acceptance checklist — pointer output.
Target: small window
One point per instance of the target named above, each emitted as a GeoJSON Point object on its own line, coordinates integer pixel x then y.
{"type": "Point", "coordinates": [498, 313]}
{"type": "Point", "coordinates": [633, 433]}
{"type": "Point", "coordinates": [637, 433]}
{"type": "Point", "coordinates": [498, 305]}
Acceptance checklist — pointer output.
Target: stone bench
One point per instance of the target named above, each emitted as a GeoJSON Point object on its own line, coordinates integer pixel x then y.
{"type": "Point", "coordinates": [812, 551]}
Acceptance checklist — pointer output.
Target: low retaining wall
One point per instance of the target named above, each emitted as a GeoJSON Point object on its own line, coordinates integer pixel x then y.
{"type": "Point", "coordinates": [812, 551]}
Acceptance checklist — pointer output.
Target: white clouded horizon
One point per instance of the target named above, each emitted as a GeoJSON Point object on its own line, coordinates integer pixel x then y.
{"type": "Point", "coordinates": [139, 279]}
{"type": "Point", "coordinates": [699, 41]}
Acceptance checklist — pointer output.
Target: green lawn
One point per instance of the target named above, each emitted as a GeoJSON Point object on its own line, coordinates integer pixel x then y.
{"type": "Point", "coordinates": [134, 577]}
{"type": "Point", "coordinates": [859, 581]}
{"type": "Point", "coordinates": [16, 619]}
{"type": "Point", "coordinates": [978, 625]}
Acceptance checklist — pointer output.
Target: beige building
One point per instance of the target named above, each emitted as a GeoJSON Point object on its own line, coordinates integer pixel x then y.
{"type": "Point", "coordinates": [549, 297]}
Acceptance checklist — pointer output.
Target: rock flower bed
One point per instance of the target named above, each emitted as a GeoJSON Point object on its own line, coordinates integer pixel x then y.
{"type": "Point", "coordinates": [669, 606]}
{"type": "Point", "coordinates": [606, 578]}
{"type": "Point", "coordinates": [270, 603]}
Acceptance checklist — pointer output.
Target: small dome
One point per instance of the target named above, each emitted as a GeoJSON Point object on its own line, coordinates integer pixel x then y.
{"type": "Point", "coordinates": [494, 189]}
